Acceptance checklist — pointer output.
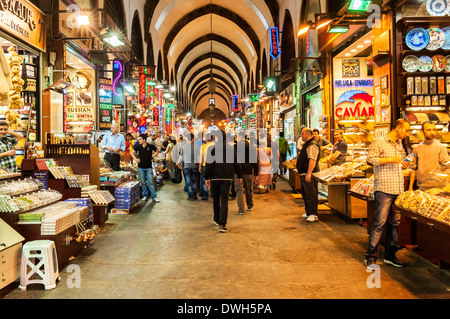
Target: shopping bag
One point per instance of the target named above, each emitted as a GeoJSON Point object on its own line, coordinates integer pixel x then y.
{"type": "Point", "coordinates": [177, 177]}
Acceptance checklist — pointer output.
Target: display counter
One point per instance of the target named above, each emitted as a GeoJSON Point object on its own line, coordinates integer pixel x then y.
{"type": "Point", "coordinates": [429, 209]}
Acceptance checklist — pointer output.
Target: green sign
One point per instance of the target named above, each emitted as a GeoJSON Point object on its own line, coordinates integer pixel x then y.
{"type": "Point", "coordinates": [253, 97]}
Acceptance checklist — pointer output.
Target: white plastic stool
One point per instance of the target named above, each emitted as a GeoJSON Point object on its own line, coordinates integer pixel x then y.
{"type": "Point", "coordinates": [39, 264]}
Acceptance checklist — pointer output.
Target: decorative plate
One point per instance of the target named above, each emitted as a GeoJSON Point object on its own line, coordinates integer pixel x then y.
{"type": "Point", "coordinates": [411, 63]}
{"type": "Point", "coordinates": [447, 68]}
{"type": "Point", "coordinates": [439, 63]}
{"type": "Point", "coordinates": [446, 45]}
{"type": "Point", "coordinates": [437, 39]}
{"type": "Point", "coordinates": [417, 39]}
{"type": "Point", "coordinates": [438, 7]}
{"type": "Point", "coordinates": [425, 63]}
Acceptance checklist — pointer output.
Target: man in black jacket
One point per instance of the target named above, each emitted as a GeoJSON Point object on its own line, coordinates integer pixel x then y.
{"type": "Point", "coordinates": [221, 165]}
{"type": "Point", "coordinates": [247, 158]}
{"type": "Point", "coordinates": [308, 163]}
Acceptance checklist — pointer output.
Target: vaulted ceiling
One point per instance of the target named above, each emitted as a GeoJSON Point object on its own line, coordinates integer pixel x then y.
{"type": "Point", "coordinates": [189, 39]}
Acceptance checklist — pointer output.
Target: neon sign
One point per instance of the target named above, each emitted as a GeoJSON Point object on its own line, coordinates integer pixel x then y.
{"type": "Point", "coordinates": [274, 43]}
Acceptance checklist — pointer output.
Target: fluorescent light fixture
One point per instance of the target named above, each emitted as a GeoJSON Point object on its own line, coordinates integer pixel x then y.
{"type": "Point", "coordinates": [347, 54]}
{"type": "Point", "coordinates": [188, 114]}
{"type": "Point", "coordinates": [359, 5]}
{"type": "Point", "coordinates": [339, 29]}
{"type": "Point", "coordinates": [167, 95]}
{"type": "Point", "coordinates": [83, 20]}
{"type": "Point", "coordinates": [270, 84]}
{"type": "Point", "coordinates": [368, 41]}
{"type": "Point", "coordinates": [159, 86]}
{"type": "Point", "coordinates": [360, 46]}
{"type": "Point", "coordinates": [353, 50]}
{"type": "Point", "coordinates": [114, 41]}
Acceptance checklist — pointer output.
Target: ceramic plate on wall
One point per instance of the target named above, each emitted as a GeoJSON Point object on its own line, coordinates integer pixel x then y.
{"type": "Point", "coordinates": [439, 63]}
{"type": "Point", "coordinates": [437, 39]}
{"type": "Point", "coordinates": [425, 63]}
{"type": "Point", "coordinates": [411, 63]}
{"type": "Point", "coordinates": [417, 39]}
{"type": "Point", "coordinates": [446, 45]}
{"type": "Point", "coordinates": [438, 7]}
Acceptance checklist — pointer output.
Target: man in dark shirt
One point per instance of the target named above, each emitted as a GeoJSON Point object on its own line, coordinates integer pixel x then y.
{"type": "Point", "coordinates": [145, 167]}
{"type": "Point", "coordinates": [339, 149]}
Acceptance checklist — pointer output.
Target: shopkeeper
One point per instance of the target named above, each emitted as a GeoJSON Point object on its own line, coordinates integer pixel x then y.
{"type": "Point", "coordinates": [337, 156]}
{"type": "Point", "coordinates": [428, 155]}
{"type": "Point", "coordinates": [8, 140]}
{"type": "Point", "coordinates": [113, 143]}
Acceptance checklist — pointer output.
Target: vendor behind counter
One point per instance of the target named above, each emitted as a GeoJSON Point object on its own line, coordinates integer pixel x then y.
{"type": "Point", "coordinates": [340, 147]}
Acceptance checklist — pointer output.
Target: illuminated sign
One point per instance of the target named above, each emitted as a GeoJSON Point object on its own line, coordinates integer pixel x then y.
{"type": "Point", "coordinates": [105, 103]}
{"type": "Point", "coordinates": [116, 87]}
{"type": "Point", "coordinates": [274, 43]}
{"type": "Point", "coordinates": [253, 97]}
{"type": "Point", "coordinates": [235, 103]}
{"type": "Point", "coordinates": [353, 83]}
{"type": "Point", "coordinates": [354, 105]}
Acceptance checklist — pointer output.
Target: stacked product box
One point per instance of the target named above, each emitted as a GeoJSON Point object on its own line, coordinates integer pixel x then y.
{"type": "Point", "coordinates": [127, 194]}
{"type": "Point", "coordinates": [55, 223]}
{"type": "Point", "coordinates": [81, 202]}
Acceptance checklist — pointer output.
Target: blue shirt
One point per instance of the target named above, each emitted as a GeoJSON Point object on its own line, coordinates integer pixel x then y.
{"type": "Point", "coordinates": [115, 142]}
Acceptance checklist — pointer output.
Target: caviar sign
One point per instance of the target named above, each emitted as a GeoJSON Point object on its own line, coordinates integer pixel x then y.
{"type": "Point", "coordinates": [23, 20]}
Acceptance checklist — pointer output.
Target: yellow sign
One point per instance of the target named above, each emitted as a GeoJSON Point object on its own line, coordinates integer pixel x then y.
{"type": "Point", "coordinates": [23, 20]}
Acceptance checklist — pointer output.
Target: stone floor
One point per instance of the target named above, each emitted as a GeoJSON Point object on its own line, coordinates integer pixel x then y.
{"type": "Point", "coordinates": [172, 250]}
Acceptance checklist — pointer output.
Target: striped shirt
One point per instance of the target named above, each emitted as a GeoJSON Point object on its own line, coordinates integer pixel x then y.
{"type": "Point", "coordinates": [388, 177]}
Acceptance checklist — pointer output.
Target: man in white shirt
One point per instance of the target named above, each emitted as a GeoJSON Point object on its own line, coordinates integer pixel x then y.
{"type": "Point", "coordinates": [428, 155]}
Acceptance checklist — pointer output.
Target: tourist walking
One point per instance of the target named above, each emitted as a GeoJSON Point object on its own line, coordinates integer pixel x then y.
{"type": "Point", "coordinates": [144, 158]}
{"type": "Point", "coordinates": [189, 161]}
{"type": "Point", "coordinates": [219, 174]}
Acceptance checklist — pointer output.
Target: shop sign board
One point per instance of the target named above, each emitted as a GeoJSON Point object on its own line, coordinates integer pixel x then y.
{"type": "Point", "coordinates": [105, 103]}
{"type": "Point", "coordinates": [23, 20]}
{"type": "Point", "coordinates": [253, 98]}
{"type": "Point", "coordinates": [354, 105]}
{"type": "Point", "coordinates": [117, 80]}
{"type": "Point", "coordinates": [274, 43]}
{"type": "Point", "coordinates": [287, 98]}
{"type": "Point", "coordinates": [235, 103]}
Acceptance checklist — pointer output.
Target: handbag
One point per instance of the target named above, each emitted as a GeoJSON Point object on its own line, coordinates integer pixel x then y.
{"type": "Point", "coordinates": [176, 177]}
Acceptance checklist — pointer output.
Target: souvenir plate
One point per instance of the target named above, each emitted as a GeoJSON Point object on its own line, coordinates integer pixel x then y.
{"type": "Point", "coordinates": [437, 39]}
{"type": "Point", "coordinates": [438, 7]}
{"type": "Point", "coordinates": [417, 39]}
{"type": "Point", "coordinates": [425, 63]}
{"type": "Point", "coordinates": [439, 63]}
{"type": "Point", "coordinates": [447, 67]}
{"type": "Point", "coordinates": [446, 45]}
{"type": "Point", "coordinates": [411, 63]}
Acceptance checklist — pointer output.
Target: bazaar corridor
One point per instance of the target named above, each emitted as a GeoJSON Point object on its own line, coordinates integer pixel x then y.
{"type": "Point", "coordinates": [172, 250]}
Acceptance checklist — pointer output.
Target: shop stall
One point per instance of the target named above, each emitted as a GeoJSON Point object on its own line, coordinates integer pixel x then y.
{"type": "Point", "coordinates": [22, 44]}
{"type": "Point", "coordinates": [429, 209]}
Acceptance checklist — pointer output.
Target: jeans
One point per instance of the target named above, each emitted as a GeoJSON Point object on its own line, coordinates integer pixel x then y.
{"type": "Point", "coordinates": [191, 176]}
{"type": "Point", "coordinates": [247, 188]}
{"type": "Point", "coordinates": [220, 190]}
{"type": "Point", "coordinates": [281, 167]}
{"type": "Point", "coordinates": [310, 194]}
{"type": "Point", "coordinates": [384, 214]}
{"type": "Point", "coordinates": [146, 178]}
{"type": "Point", "coordinates": [203, 185]}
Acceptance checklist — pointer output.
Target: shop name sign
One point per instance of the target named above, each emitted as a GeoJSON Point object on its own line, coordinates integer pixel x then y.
{"type": "Point", "coordinates": [22, 19]}
{"type": "Point", "coordinates": [20, 10]}
{"type": "Point", "coordinates": [353, 83]}
{"type": "Point", "coordinates": [274, 43]}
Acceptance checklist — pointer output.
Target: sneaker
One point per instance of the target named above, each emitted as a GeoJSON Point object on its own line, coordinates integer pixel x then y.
{"type": "Point", "coordinates": [195, 197]}
{"type": "Point", "coordinates": [223, 229]}
{"type": "Point", "coordinates": [241, 212]}
{"type": "Point", "coordinates": [394, 262]}
{"type": "Point", "coordinates": [312, 218]}
{"type": "Point", "coordinates": [305, 215]}
{"type": "Point", "coordinates": [370, 264]}
{"type": "Point", "coordinates": [155, 200]}
{"type": "Point", "coordinates": [249, 209]}
{"type": "Point", "coordinates": [215, 223]}
{"type": "Point", "coordinates": [144, 199]}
